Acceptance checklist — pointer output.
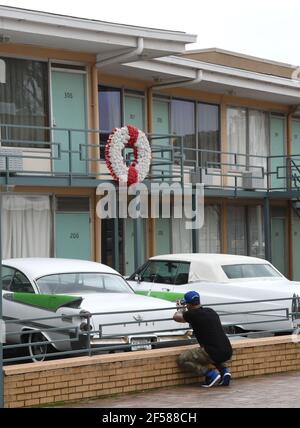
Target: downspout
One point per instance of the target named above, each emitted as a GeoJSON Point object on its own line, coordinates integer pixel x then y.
{"type": "Point", "coordinates": [122, 58]}
{"type": "Point", "coordinates": [189, 82]}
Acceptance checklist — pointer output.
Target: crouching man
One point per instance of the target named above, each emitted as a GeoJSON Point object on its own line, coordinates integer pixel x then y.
{"type": "Point", "coordinates": [215, 347]}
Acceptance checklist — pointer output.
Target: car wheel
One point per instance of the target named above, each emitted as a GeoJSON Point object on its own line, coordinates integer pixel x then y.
{"type": "Point", "coordinates": [37, 350]}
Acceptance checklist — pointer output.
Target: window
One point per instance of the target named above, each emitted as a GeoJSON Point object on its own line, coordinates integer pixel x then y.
{"type": "Point", "coordinates": [24, 102]}
{"type": "Point", "coordinates": [249, 142]}
{"type": "Point", "coordinates": [209, 135]}
{"type": "Point", "coordinates": [7, 276]}
{"type": "Point", "coordinates": [15, 281]}
{"type": "Point", "coordinates": [209, 234]}
{"type": "Point", "coordinates": [250, 271]}
{"type": "Point", "coordinates": [20, 284]}
{"type": "Point", "coordinates": [82, 282]}
{"type": "Point", "coordinates": [183, 124]}
{"type": "Point", "coordinates": [110, 113]}
{"type": "Point", "coordinates": [26, 226]}
{"type": "Point", "coordinates": [166, 272]}
{"type": "Point", "coordinates": [237, 230]}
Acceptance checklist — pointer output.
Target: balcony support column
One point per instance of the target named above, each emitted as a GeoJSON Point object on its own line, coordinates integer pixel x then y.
{"type": "Point", "coordinates": [267, 223]}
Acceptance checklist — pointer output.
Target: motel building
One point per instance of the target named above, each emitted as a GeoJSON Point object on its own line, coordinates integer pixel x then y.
{"type": "Point", "coordinates": [229, 121]}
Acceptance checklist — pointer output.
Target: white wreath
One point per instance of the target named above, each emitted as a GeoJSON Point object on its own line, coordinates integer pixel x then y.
{"type": "Point", "coordinates": [118, 141]}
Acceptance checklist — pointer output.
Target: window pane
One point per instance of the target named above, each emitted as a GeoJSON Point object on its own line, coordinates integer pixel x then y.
{"type": "Point", "coordinates": [183, 124]}
{"type": "Point", "coordinates": [7, 276]}
{"type": "Point", "coordinates": [209, 134]}
{"type": "Point", "coordinates": [237, 232]}
{"type": "Point", "coordinates": [26, 226]}
{"type": "Point", "coordinates": [209, 234]}
{"type": "Point", "coordinates": [183, 273]}
{"type": "Point", "coordinates": [24, 101]}
{"type": "Point", "coordinates": [161, 272]}
{"type": "Point", "coordinates": [256, 232]}
{"type": "Point", "coordinates": [110, 113]}
{"type": "Point", "coordinates": [237, 136]}
{"type": "Point", "coordinates": [21, 284]}
{"type": "Point", "coordinates": [258, 146]}
{"type": "Point", "coordinates": [250, 271]}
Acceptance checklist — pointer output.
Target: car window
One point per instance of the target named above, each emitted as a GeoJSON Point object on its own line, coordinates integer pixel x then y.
{"type": "Point", "coordinates": [7, 276]}
{"type": "Point", "coordinates": [21, 284]}
{"type": "Point", "coordinates": [250, 271]}
{"type": "Point", "coordinates": [72, 283]}
{"type": "Point", "coordinates": [162, 272]}
{"type": "Point", "coordinates": [183, 274]}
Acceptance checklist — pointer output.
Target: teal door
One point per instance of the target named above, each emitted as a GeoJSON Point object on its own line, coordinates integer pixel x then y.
{"type": "Point", "coordinates": [296, 138]}
{"type": "Point", "coordinates": [279, 244]}
{"type": "Point", "coordinates": [277, 133]}
{"type": "Point", "coordinates": [296, 149]}
{"type": "Point", "coordinates": [161, 125]}
{"type": "Point", "coordinates": [134, 112]}
{"type": "Point", "coordinates": [73, 239]}
{"type": "Point", "coordinates": [296, 248]}
{"type": "Point", "coordinates": [69, 111]}
{"type": "Point", "coordinates": [163, 236]}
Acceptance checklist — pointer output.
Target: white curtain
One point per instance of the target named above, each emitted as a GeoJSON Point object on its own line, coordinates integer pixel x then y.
{"type": "Point", "coordinates": [237, 233]}
{"type": "Point", "coordinates": [209, 235]}
{"type": "Point", "coordinates": [258, 146]}
{"type": "Point", "coordinates": [237, 136]}
{"type": "Point", "coordinates": [181, 237]}
{"type": "Point", "coordinates": [256, 232]}
{"type": "Point", "coordinates": [26, 226]}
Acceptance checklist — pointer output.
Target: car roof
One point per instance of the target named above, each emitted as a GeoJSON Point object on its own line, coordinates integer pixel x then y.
{"type": "Point", "coordinates": [222, 259]}
{"type": "Point", "coordinates": [208, 267]}
{"type": "Point", "coordinates": [37, 267]}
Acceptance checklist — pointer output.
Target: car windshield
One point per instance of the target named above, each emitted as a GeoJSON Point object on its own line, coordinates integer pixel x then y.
{"type": "Point", "coordinates": [74, 283]}
{"type": "Point", "coordinates": [250, 271]}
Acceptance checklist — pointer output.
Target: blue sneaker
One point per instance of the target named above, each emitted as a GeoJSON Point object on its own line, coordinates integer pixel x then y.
{"type": "Point", "coordinates": [226, 378]}
{"type": "Point", "coordinates": [211, 379]}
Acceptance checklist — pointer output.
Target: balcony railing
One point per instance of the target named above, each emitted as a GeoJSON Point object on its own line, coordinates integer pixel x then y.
{"type": "Point", "coordinates": [69, 157]}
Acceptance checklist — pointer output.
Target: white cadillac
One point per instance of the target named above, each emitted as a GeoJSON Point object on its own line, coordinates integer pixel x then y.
{"type": "Point", "coordinates": [228, 281]}
{"type": "Point", "coordinates": [52, 299]}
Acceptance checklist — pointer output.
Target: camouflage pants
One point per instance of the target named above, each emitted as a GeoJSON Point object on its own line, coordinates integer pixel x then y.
{"type": "Point", "coordinates": [196, 360]}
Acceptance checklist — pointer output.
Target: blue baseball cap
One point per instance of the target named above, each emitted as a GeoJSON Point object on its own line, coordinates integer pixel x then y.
{"type": "Point", "coordinates": [192, 297]}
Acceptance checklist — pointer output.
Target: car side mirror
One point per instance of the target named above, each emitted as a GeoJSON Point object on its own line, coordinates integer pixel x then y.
{"type": "Point", "coordinates": [138, 278]}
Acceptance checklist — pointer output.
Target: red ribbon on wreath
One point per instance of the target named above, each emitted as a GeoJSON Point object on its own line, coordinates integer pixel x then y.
{"type": "Point", "coordinates": [133, 176]}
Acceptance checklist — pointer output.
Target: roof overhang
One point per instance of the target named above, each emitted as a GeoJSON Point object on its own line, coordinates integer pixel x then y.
{"type": "Point", "coordinates": [47, 30]}
{"type": "Point", "coordinates": [215, 79]}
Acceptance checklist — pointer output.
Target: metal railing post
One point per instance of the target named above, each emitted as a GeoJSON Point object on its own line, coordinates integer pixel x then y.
{"type": "Point", "coordinates": [267, 222]}
{"type": "Point", "coordinates": [1, 316]}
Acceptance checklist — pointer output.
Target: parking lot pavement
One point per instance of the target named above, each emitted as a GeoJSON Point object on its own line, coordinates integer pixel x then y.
{"type": "Point", "coordinates": [275, 391]}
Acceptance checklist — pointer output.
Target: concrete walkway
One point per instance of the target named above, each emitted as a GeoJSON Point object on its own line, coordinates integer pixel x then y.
{"type": "Point", "coordinates": [275, 391]}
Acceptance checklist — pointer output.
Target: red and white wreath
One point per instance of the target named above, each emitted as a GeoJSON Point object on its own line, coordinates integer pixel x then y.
{"type": "Point", "coordinates": [128, 136]}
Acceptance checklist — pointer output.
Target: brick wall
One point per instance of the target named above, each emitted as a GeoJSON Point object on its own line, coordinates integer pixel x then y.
{"type": "Point", "coordinates": [83, 378]}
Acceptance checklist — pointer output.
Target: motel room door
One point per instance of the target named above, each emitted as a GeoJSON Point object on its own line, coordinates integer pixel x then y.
{"type": "Point", "coordinates": [69, 112]}
{"type": "Point", "coordinates": [277, 135]}
{"type": "Point", "coordinates": [279, 250]}
{"type": "Point", "coordinates": [73, 228]}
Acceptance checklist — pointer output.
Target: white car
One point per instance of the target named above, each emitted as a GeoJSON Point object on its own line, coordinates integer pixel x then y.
{"type": "Point", "coordinates": [71, 290]}
{"type": "Point", "coordinates": [227, 281]}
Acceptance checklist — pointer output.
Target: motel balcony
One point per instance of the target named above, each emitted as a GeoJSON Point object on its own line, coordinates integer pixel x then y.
{"type": "Point", "coordinates": [43, 156]}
